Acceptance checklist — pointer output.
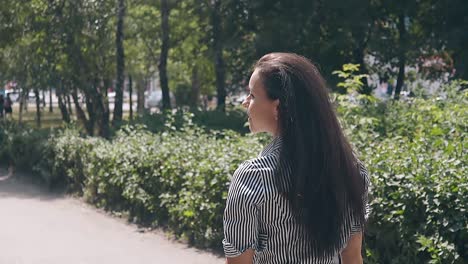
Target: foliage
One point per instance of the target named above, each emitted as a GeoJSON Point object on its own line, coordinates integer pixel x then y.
{"type": "Point", "coordinates": [21, 146]}
{"type": "Point", "coordinates": [416, 155]}
{"type": "Point", "coordinates": [70, 45]}
{"type": "Point", "coordinates": [140, 172]}
{"type": "Point", "coordinates": [452, 89]}
{"type": "Point", "coordinates": [233, 119]}
{"type": "Point", "coordinates": [352, 82]}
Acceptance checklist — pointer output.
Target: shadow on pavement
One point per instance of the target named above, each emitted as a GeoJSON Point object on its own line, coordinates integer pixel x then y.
{"type": "Point", "coordinates": [22, 186]}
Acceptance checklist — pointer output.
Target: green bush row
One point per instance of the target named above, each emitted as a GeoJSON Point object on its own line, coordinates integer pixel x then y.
{"type": "Point", "coordinates": [178, 178]}
{"type": "Point", "coordinates": [233, 119]}
{"type": "Point", "coordinates": [416, 154]}
{"type": "Point", "coordinates": [20, 145]}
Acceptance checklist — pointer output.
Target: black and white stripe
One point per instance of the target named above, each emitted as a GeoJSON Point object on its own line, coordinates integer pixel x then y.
{"type": "Point", "coordinates": [258, 217]}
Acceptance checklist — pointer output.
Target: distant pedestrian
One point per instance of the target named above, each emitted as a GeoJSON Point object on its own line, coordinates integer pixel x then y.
{"type": "Point", "coordinates": [390, 88]}
{"type": "Point", "coordinates": [2, 102]}
{"type": "Point", "coordinates": [7, 105]}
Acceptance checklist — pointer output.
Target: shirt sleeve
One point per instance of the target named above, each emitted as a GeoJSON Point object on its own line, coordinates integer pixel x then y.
{"type": "Point", "coordinates": [242, 208]}
{"type": "Point", "coordinates": [357, 227]}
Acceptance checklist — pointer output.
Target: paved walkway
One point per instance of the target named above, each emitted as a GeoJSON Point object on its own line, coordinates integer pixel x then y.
{"type": "Point", "coordinates": [37, 227]}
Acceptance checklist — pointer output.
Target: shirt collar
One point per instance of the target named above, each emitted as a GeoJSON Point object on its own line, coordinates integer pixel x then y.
{"type": "Point", "coordinates": [272, 147]}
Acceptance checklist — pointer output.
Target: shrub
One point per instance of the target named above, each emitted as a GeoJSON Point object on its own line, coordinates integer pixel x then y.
{"type": "Point", "coordinates": [178, 178]}
{"type": "Point", "coordinates": [416, 154]}
{"type": "Point", "coordinates": [233, 119]}
{"type": "Point", "coordinates": [21, 146]}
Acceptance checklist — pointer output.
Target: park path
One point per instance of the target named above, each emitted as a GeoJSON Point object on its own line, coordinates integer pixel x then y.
{"type": "Point", "coordinates": [37, 227]}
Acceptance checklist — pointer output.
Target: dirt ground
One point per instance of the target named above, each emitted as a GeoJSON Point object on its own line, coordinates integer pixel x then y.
{"type": "Point", "coordinates": [37, 227]}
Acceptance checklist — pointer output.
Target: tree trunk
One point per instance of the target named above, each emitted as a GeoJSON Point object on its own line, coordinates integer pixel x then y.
{"type": "Point", "coordinates": [63, 109]}
{"type": "Point", "coordinates": [43, 99]}
{"type": "Point", "coordinates": [401, 55]}
{"type": "Point", "coordinates": [141, 97]}
{"type": "Point", "coordinates": [62, 105]}
{"type": "Point", "coordinates": [104, 129]}
{"type": "Point", "coordinates": [218, 53]}
{"type": "Point", "coordinates": [70, 109]}
{"type": "Point", "coordinates": [51, 110]}
{"type": "Point", "coordinates": [164, 53]}
{"type": "Point", "coordinates": [26, 100]}
{"type": "Point", "coordinates": [101, 114]}
{"type": "Point", "coordinates": [80, 114]}
{"type": "Point", "coordinates": [195, 93]}
{"type": "Point", "coordinates": [92, 112]}
{"type": "Point", "coordinates": [120, 63]}
{"type": "Point", "coordinates": [38, 108]}
{"type": "Point", "coordinates": [130, 93]}
{"type": "Point", "coordinates": [318, 17]}
{"type": "Point", "coordinates": [21, 106]}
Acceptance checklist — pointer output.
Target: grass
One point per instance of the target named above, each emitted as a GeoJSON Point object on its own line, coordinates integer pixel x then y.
{"type": "Point", "coordinates": [48, 119]}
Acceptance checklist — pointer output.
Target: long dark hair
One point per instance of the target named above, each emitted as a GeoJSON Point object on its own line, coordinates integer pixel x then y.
{"type": "Point", "coordinates": [323, 183]}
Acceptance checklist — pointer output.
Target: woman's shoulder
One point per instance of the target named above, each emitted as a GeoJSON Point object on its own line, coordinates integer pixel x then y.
{"type": "Point", "coordinates": [260, 165]}
{"type": "Point", "coordinates": [254, 167]}
{"type": "Point", "coordinates": [364, 173]}
{"type": "Point", "coordinates": [247, 183]}
{"type": "Point", "coordinates": [252, 175]}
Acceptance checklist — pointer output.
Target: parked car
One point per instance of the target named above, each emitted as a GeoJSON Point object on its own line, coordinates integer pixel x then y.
{"type": "Point", "coordinates": [32, 97]}
{"type": "Point", "coordinates": [154, 99]}
{"type": "Point", "coordinates": [126, 95]}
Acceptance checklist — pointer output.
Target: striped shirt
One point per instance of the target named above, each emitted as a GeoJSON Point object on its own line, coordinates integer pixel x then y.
{"type": "Point", "coordinates": [258, 217]}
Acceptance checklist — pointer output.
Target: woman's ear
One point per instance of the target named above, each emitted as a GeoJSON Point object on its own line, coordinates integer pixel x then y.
{"type": "Point", "coordinates": [276, 104]}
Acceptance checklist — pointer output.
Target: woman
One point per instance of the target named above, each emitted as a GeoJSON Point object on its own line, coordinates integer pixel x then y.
{"type": "Point", "coordinates": [8, 106]}
{"type": "Point", "coordinates": [304, 198]}
{"type": "Point", "coordinates": [1, 105]}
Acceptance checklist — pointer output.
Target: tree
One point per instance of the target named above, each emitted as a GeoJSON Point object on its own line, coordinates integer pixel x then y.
{"type": "Point", "coordinates": [142, 45]}
{"type": "Point", "coordinates": [207, 47]}
{"type": "Point", "coordinates": [218, 54]}
{"type": "Point", "coordinates": [87, 47]}
{"type": "Point", "coordinates": [401, 53]}
{"type": "Point", "coordinates": [444, 28]}
{"type": "Point", "coordinates": [120, 56]}
{"type": "Point", "coordinates": [165, 11]}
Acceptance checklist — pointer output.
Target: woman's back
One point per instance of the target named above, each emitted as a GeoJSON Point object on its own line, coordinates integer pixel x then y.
{"type": "Point", "coordinates": [307, 209]}
{"type": "Point", "coordinates": [257, 216]}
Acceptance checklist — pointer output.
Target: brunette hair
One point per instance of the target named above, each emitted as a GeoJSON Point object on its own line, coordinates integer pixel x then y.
{"type": "Point", "coordinates": [320, 175]}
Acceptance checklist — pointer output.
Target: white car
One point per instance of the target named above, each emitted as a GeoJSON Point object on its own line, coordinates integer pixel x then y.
{"type": "Point", "coordinates": [32, 97]}
{"type": "Point", "coordinates": [153, 99]}
{"type": "Point", "coordinates": [126, 95]}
